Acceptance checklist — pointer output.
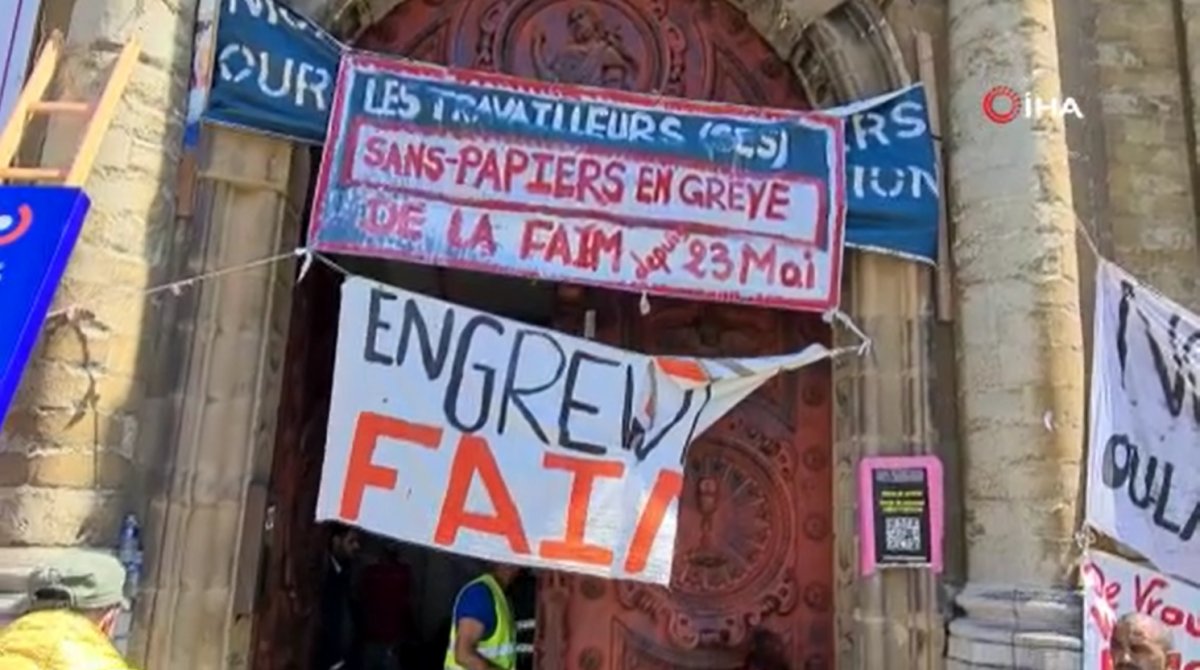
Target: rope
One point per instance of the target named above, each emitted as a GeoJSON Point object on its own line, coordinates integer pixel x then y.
{"type": "Point", "coordinates": [176, 287]}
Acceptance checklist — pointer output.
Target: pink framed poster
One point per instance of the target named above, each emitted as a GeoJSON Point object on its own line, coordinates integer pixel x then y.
{"type": "Point", "coordinates": [900, 513]}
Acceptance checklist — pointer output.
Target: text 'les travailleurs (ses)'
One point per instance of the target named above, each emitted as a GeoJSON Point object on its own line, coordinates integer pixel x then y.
{"type": "Point", "coordinates": [584, 186]}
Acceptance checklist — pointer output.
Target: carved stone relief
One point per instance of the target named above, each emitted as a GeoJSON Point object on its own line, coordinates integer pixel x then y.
{"type": "Point", "coordinates": [699, 49]}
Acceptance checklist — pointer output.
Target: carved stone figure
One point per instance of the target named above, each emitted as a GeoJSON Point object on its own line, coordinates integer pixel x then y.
{"type": "Point", "coordinates": [594, 55]}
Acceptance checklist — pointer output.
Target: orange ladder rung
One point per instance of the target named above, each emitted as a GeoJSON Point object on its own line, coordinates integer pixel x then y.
{"type": "Point", "coordinates": [99, 115]}
{"type": "Point", "coordinates": [59, 107]}
{"type": "Point", "coordinates": [32, 173]}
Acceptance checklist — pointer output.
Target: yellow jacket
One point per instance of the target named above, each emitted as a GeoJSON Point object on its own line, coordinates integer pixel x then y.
{"type": "Point", "coordinates": [57, 640]}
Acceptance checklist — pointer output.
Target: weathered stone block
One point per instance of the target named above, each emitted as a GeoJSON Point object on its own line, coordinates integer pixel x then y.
{"type": "Point", "coordinates": [57, 517]}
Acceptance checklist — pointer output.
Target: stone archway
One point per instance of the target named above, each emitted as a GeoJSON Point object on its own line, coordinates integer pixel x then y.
{"type": "Point", "coordinates": [846, 54]}
{"type": "Point", "coordinates": [755, 544]}
{"type": "Point", "coordinates": [839, 50]}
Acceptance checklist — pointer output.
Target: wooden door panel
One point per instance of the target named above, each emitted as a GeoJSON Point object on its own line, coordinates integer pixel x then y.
{"type": "Point", "coordinates": [754, 547]}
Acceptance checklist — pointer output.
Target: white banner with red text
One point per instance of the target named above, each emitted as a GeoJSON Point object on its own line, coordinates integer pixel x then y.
{"type": "Point", "coordinates": [463, 431]}
{"type": "Point", "coordinates": [1144, 451]}
{"type": "Point", "coordinates": [635, 192]}
{"type": "Point", "coordinates": [1114, 587]}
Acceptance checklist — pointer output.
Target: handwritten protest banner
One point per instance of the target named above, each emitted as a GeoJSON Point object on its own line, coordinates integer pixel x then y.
{"type": "Point", "coordinates": [642, 193]}
{"type": "Point", "coordinates": [1144, 460]}
{"type": "Point", "coordinates": [1114, 587]}
{"type": "Point", "coordinates": [276, 76]}
{"type": "Point", "coordinates": [467, 432]}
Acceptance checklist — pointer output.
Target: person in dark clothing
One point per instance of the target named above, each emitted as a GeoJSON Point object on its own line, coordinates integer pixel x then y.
{"type": "Point", "coordinates": [385, 593]}
{"type": "Point", "coordinates": [336, 636]}
{"type": "Point", "coordinates": [524, 604]}
{"type": "Point", "coordinates": [766, 652]}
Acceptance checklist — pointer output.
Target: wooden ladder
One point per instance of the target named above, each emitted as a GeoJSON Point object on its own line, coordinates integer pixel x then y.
{"type": "Point", "coordinates": [98, 116]}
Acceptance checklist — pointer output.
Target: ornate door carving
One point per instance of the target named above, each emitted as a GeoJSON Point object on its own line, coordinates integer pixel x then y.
{"type": "Point", "coordinates": [754, 547]}
{"type": "Point", "coordinates": [699, 49]}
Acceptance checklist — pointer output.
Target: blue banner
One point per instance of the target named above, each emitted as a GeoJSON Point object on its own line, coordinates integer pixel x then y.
{"type": "Point", "coordinates": [274, 71]}
{"type": "Point", "coordinates": [38, 229]}
{"type": "Point", "coordinates": [891, 176]}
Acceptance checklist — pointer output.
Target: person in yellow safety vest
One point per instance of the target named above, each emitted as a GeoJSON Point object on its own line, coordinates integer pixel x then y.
{"type": "Point", "coordinates": [482, 632]}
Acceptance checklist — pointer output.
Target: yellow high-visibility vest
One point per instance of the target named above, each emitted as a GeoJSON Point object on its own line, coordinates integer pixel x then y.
{"type": "Point", "coordinates": [500, 647]}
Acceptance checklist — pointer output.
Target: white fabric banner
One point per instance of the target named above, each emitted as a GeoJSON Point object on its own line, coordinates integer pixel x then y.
{"type": "Point", "coordinates": [1144, 452]}
{"type": "Point", "coordinates": [463, 431]}
{"type": "Point", "coordinates": [1114, 587]}
{"type": "Point", "coordinates": [17, 21]}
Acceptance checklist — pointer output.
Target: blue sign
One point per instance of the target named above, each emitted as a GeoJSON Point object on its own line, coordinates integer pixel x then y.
{"type": "Point", "coordinates": [38, 229]}
{"type": "Point", "coordinates": [891, 176]}
{"type": "Point", "coordinates": [274, 71]}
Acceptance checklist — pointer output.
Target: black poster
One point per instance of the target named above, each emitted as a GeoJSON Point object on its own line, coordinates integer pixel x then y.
{"type": "Point", "coordinates": [901, 511]}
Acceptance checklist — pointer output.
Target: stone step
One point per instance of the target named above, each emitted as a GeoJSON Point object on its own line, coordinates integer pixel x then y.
{"type": "Point", "coordinates": [13, 578]}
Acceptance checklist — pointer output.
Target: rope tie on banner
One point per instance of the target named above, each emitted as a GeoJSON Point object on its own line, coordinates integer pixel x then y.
{"type": "Point", "coordinates": [306, 260]}
{"type": "Point", "coordinates": [177, 286]}
{"type": "Point", "coordinates": [865, 343]}
{"type": "Point", "coordinates": [306, 257]}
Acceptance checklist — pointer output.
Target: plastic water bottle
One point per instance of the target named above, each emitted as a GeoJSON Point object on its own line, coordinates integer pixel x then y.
{"type": "Point", "coordinates": [128, 543]}
{"type": "Point", "coordinates": [129, 552]}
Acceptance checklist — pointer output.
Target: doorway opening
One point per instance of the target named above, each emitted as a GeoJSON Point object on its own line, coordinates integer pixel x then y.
{"type": "Point", "coordinates": [754, 549]}
{"type": "Point", "coordinates": [436, 576]}
{"type": "Point", "coordinates": [399, 590]}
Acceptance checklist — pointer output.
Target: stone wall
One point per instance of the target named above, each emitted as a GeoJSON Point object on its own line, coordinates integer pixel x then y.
{"type": "Point", "coordinates": [68, 449]}
{"type": "Point", "coordinates": [110, 420]}
{"type": "Point", "coordinates": [1148, 78]}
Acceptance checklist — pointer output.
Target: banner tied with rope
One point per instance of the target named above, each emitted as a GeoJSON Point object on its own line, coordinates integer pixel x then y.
{"type": "Point", "coordinates": [464, 431]}
{"type": "Point", "coordinates": [1144, 451]}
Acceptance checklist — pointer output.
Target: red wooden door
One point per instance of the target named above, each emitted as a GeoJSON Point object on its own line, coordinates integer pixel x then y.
{"type": "Point", "coordinates": [754, 545]}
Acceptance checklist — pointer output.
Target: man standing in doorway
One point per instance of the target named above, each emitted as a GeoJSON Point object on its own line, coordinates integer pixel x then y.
{"type": "Point", "coordinates": [1140, 642]}
{"type": "Point", "coordinates": [482, 632]}
{"type": "Point", "coordinates": [336, 643]}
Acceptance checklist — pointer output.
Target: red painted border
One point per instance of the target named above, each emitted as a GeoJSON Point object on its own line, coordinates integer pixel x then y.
{"type": "Point", "coordinates": [351, 144]}
{"type": "Point", "coordinates": [836, 160]}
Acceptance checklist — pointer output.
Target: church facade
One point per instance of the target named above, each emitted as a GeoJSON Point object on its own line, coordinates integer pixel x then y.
{"type": "Point", "coordinates": [200, 409]}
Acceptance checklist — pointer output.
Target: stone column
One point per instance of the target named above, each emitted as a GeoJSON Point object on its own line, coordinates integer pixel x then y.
{"type": "Point", "coordinates": [67, 447]}
{"type": "Point", "coordinates": [214, 403]}
{"type": "Point", "coordinates": [1020, 345]}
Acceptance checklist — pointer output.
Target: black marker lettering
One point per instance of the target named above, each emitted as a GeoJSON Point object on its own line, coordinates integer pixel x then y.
{"type": "Point", "coordinates": [374, 325]}
{"type": "Point", "coordinates": [627, 423]}
{"type": "Point", "coordinates": [413, 320]}
{"type": "Point", "coordinates": [644, 449]}
{"type": "Point", "coordinates": [571, 404]}
{"type": "Point", "coordinates": [454, 386]}
{"type": "Point", "coordinates": [512, 394]}
{"type": "Point", "coordinates": [1120, 469]}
